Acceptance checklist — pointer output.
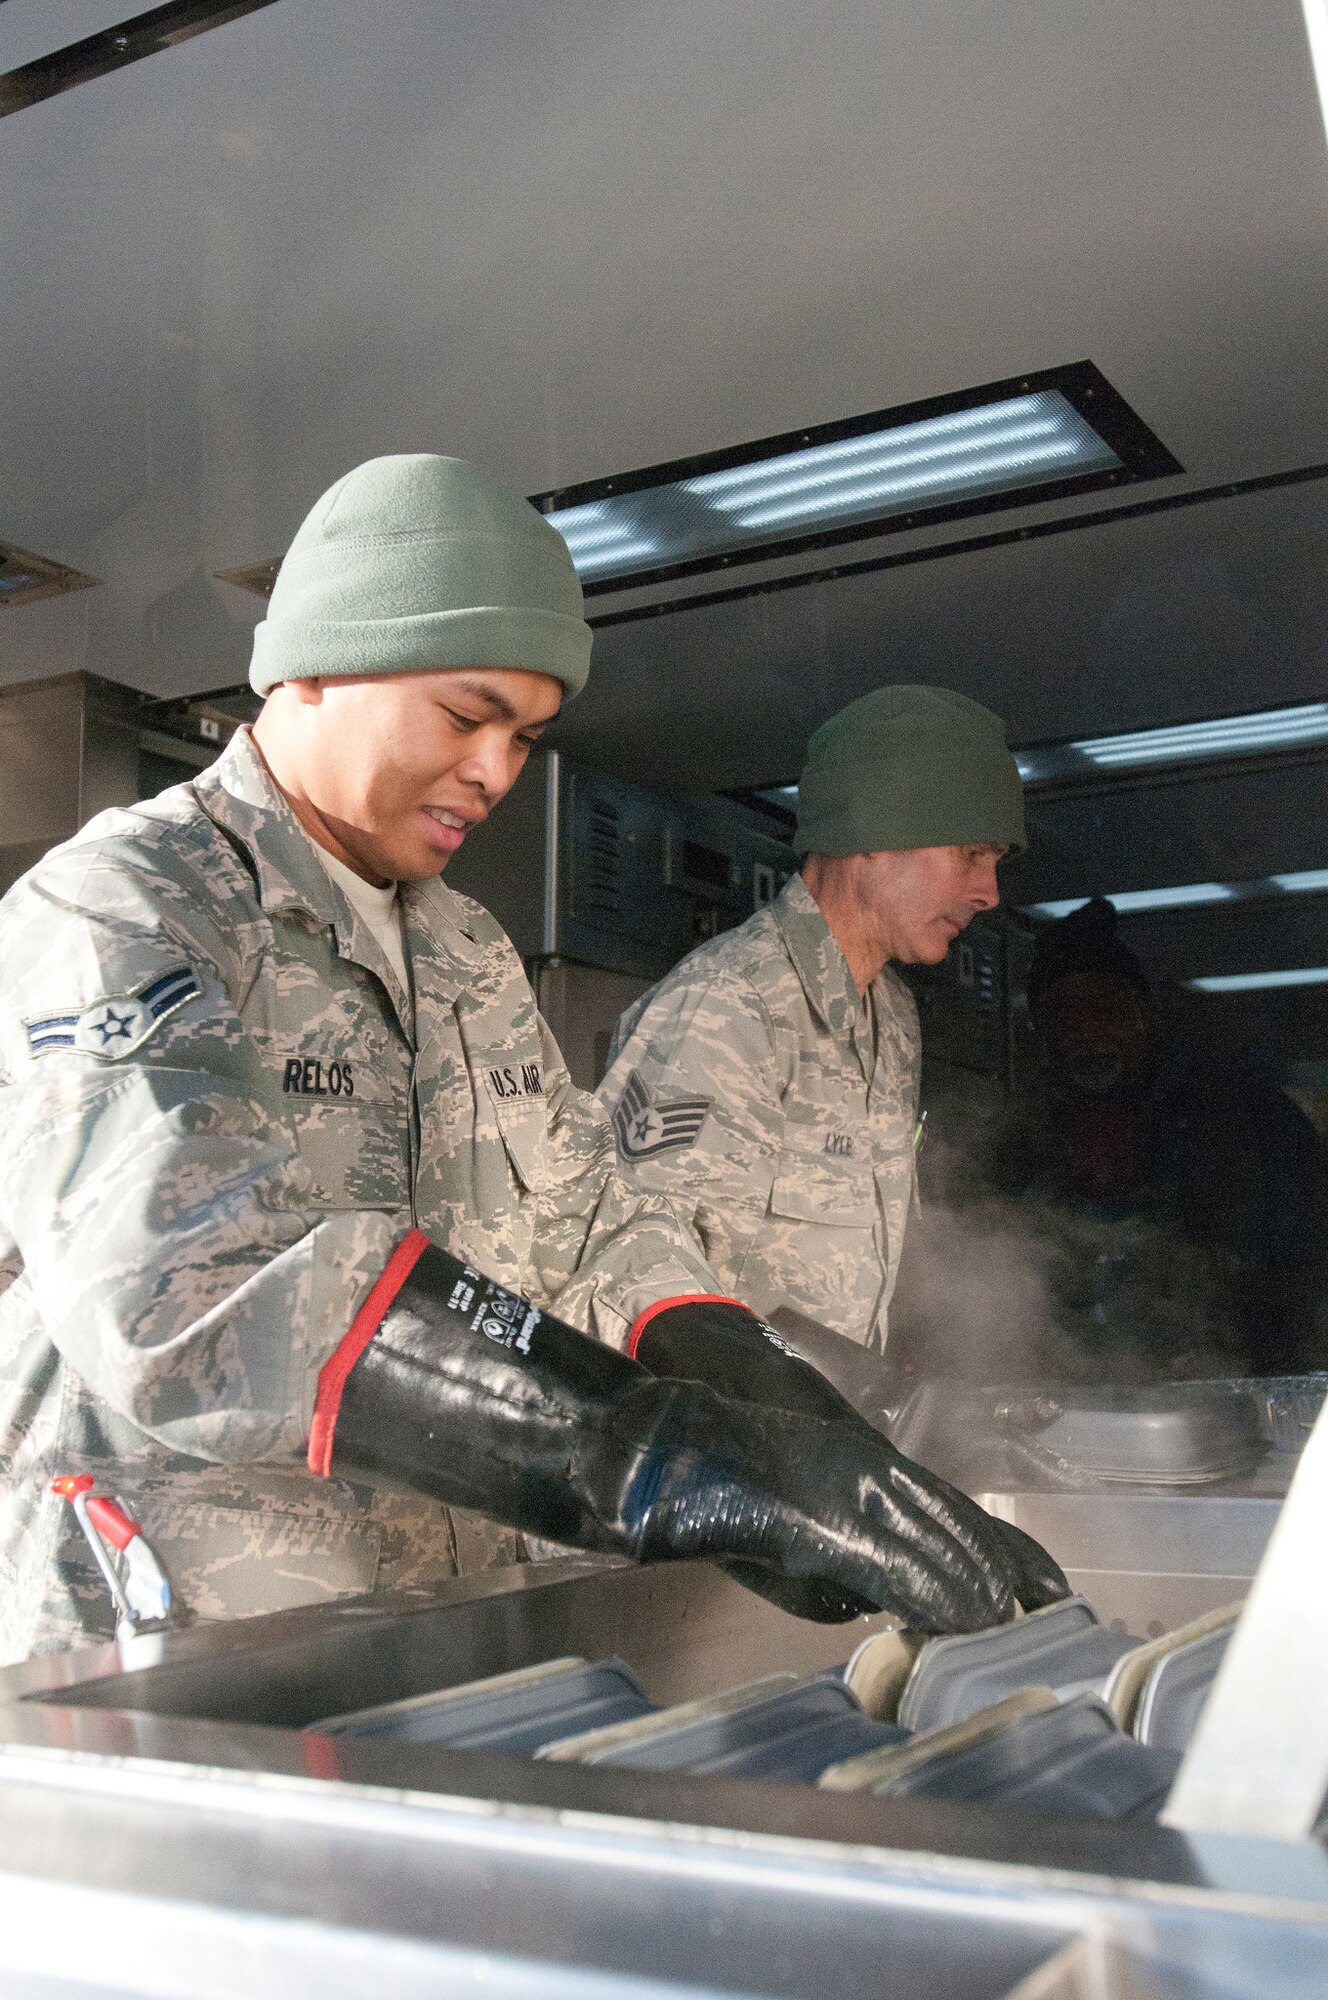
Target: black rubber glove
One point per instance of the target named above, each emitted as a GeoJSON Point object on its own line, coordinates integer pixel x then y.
{"type": "Point", "coordinates": [472, 1394]}
{"type": "Point", "coordinates": [721, 1343]}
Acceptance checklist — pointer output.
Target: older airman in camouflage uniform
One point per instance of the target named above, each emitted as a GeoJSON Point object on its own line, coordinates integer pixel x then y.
{"type": "Point", "coordinates": [219, 1110]}
{"type": "Point", "coordinates": [770, 1082]}
{"type": "Point", "coordinates": [757, 1086]}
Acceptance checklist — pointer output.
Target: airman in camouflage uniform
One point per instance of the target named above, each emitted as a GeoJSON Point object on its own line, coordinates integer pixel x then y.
{"type": "Point", "coordinates": [217, 1122]}
{"type": "Point", "coordinates": [755, 1085]}
{"type": "Point", "coordinates": [770, 1082]}
{"type": "Point", "coordinates": [220, 1110]}
{"type": "Point", "coordinates": [276, 1105]}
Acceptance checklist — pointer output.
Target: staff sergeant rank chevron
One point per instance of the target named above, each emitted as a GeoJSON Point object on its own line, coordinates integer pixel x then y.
{"type": "Point", "coordinates": [644, 1128]}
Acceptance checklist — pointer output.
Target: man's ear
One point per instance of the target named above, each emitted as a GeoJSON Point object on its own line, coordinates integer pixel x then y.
{"type": "Point", "coordinates": [308, 691]}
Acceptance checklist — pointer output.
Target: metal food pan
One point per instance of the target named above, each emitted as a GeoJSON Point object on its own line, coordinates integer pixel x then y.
{"type": "Point", "coordinates": [1070, 1758]}
{"type": "Point", "coordinates": [787, 1734]}
{"type": "Point", "coordinates": [1177, 1689]}
{"type": "Point", "coordinates": [515, 1714]}
{"type": "Point", "coordinates": [1063, 1648]}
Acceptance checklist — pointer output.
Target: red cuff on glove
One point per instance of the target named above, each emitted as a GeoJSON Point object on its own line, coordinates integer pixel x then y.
{"type": "Point", "coordinates": [642, 1320]}
{"type": "Point", "coordinates": [332, 1377]}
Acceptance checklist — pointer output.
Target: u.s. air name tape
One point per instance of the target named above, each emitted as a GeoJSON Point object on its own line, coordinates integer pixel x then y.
{"type": "Point", "coordinates": [518, 1079]}
{"type": "Point", "coordinates": [117, 1024]}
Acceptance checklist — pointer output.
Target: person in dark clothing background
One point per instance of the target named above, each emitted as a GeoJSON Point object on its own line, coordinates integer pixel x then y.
{"type": "Point", "coordinates": [1188, 1196]}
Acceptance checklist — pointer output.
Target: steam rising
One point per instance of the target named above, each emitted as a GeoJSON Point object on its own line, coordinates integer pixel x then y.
{"type": "Point", "coordinates": [996, 1288]}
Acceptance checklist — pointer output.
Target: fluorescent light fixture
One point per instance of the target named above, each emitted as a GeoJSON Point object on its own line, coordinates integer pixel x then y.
{"type": "Point", "coordinates": [1062, 431]}
{"type": "Point", "coordinates": [26, 578]}
{"type": "Point", "coordinates": [1230, 737]}
{"type": "Point", "coordinates": [892, 468]}
{"type": "Point", "coordinates": [595, 541]}
{"type": "Point", "coordinates": [1307, 881]}
{"type": "Point", "coordinates": [1256, 982]}
{"type": "Point", "coordinates": [1129, 901]}
{"type": "Point", "coordinates": [1268, 730]}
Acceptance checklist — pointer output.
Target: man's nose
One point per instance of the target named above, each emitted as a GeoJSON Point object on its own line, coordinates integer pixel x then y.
{"type": "Point", "coordinates": [986, 890]}
{"type": "Point", "coordinates": [486, 764]}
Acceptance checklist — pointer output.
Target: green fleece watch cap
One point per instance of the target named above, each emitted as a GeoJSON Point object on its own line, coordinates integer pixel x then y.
{"type": "Point", "coordinates": [417, 562]}
{"type": "Point", "coordinates": [909, 767]}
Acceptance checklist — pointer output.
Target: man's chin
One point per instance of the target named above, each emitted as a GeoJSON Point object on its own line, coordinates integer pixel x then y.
{"type": "Point", "coordinates": [930, 951]}
{"type": "Point", "coordinates": [423, 869]}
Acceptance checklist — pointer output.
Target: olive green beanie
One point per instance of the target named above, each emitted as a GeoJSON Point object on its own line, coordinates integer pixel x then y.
{"type": "Point", "coordinates": [417, 562]}
{"type": "Point", "coordinates": [909, 767]}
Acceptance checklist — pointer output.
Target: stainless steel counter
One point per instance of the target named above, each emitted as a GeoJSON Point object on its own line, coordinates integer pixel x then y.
{"type": "Point", "coordinates": [165, 1827]}
{"type": "Point", "coordinates": [1150, 1557]}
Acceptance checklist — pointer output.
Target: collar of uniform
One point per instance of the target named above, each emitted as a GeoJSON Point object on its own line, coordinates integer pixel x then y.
{"type": "Point", "coordinates": [817, 959]}
{"type": "Point", "coordinates": [238, 793]}
{"type": "Point", "coordinates": [442, 948]}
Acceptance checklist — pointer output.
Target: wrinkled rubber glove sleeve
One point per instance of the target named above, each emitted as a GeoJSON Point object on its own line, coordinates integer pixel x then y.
{"type": "Point", "coordinates": [719, 1341]}
{"type": "Point", "coordinates": [722, 1343]}
{"type": "Point", "coordinates": [488, 1402]}
{"type": "Point", "coordinates": [336, 1371]}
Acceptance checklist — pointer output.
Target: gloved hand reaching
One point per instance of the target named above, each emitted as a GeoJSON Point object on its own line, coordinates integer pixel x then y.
{"type": "Point", "coordinates": [454, 1385]}
{"type": "Point", "coordinates": [722, 1343]}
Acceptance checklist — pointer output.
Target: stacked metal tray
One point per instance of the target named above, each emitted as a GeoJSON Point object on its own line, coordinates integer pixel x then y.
{"type": "Point", "coordinates": [1053, 1713]}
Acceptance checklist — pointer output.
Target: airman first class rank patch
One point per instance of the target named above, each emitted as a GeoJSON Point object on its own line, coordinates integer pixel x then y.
{"type": "Point", "coordinates": [118, 1024]}
{"type": "Point", "coordinates": [643, 1127]}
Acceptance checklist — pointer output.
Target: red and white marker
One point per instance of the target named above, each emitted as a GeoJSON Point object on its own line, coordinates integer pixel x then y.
{"type": "Point", "coordinates": [138, 1585]}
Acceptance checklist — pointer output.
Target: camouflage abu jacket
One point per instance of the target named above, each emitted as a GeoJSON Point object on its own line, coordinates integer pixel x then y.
{"type": "Point", "coordinates": [215, 1125]}
{"type": "Point", "coordinates": [746, 1086]}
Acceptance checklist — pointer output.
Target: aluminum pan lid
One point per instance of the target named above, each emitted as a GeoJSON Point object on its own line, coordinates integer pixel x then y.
{"type": "Point", "coordinates": [1177, 1689]}
{"type": "Point", "coordinates": [514, 1713]}
{"type": "Point", "coordinates": [1063, 1647]}
{"type": "Point", "coordinates": [1069, 1758]}
{"type": "Point", "coordinates": [788, 1734]}
{"type": "Point", "coordinates": [1168, 1434]}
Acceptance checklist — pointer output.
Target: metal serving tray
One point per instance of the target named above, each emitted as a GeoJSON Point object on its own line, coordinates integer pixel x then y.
{"type": "Point", "coordinates": [515, 1714]}
{"type": "Point", "coordinates": [167, 1827]}
{"type": "Point", "coordinates": [1071, 1758]}
{"type": "Point", "coordinates": [1063, 1648]}
{"type": "Point", "coordinates": [785, 1734]}
{"type": "Point", "coordinates": [1176, 1690]}
{"type": "Point", "coordinates": [1169, 1435]}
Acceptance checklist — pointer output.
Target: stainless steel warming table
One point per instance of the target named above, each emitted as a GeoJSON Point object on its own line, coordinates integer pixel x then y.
{"type": "Point", "coordinates": [170, 1826]}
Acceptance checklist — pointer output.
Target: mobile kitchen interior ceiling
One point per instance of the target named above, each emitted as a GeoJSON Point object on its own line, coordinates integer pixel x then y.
{"type": "Point", "coordinates": [571, 237]}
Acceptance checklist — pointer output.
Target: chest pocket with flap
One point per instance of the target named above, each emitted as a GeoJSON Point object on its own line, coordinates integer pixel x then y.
{"type": "Point", "coordinates": [516, 1093]}
{"type": "Point", "coordinates": [352, 1144]}
{"type": "Point", "coordinates": [819, 1187]}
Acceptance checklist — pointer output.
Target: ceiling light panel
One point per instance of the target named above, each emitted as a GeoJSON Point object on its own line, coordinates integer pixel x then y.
{"type": "Point", "coordinates": [1128, 902]}
{"type": "Point", "coordinates": [1259, 982]}
{"type": "Point", "coordinates": [1230, 737]}
{"type": "Point", "coordinates": [1307, 881]}
{"type": "Point", "coordinates": [1065, 430]}
{"type": "Point", "coordinates": [25, 578]}
{"type": "Point", "coordinates": [1261, 734]}
{"type": "Point", "coordinates": [1022, 443]}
